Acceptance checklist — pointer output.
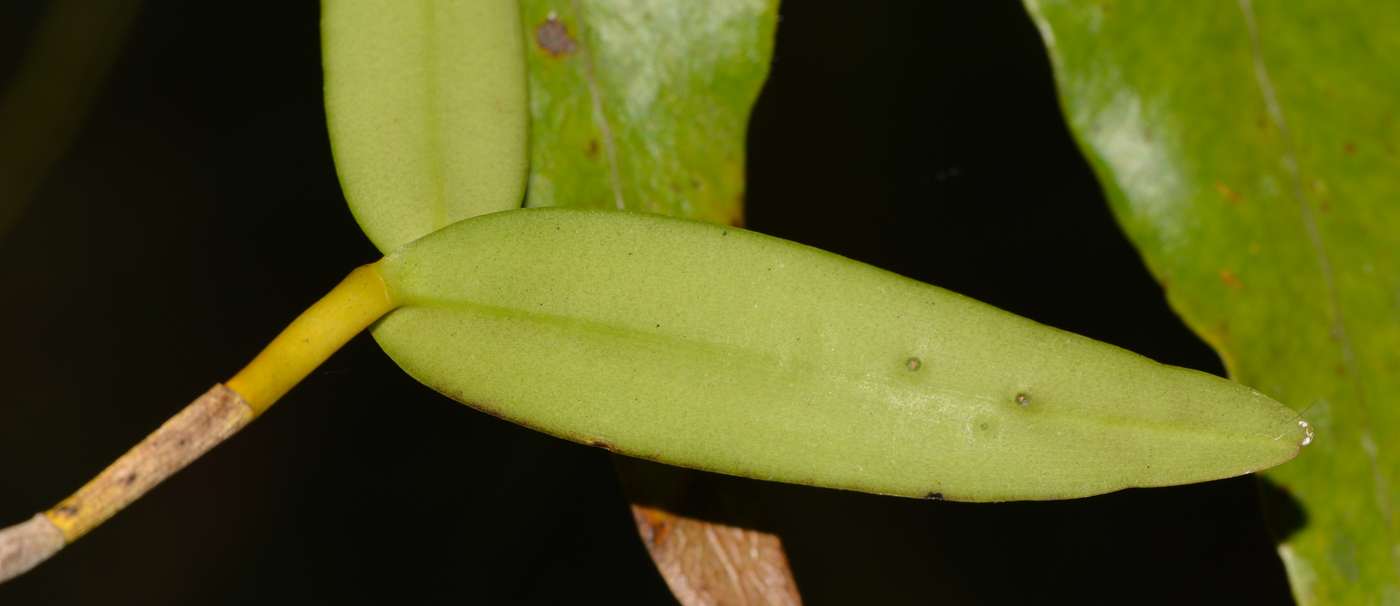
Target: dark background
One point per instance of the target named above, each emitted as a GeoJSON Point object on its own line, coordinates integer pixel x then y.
{"type": "Point", "coordinates": [199, 212]}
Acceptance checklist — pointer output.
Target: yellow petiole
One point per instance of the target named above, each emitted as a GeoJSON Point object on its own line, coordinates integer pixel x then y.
{"type": "Point", "coordinates": [317, 333]}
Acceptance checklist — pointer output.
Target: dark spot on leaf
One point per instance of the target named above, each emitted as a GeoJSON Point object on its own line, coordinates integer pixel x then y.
{"type": "Point", "coordinates": [592, 150]}
{"type": "Point", "coordinates": [601, 444]}
{"type": "Point", "coordinates": [182, 442]}
{"type": "Point", "coordinates": [1023, 399]}
{"type": "Point", "coordinates": [675, 188]}
{"type": "Point", "coordinates": [553, 38]}
{"type": "Point", "coordinates": [129, 479]}
{"type": "Point", "coordinates": [1348, 147]}
{"type": "Point", "coordinates": [934, 496]}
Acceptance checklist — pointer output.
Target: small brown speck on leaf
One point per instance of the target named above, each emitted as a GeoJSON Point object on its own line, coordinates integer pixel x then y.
{"type": "Point", "coordinates": [1228, 277]}
{"type": "Point", "coordinates": [1227, 193]}
{"type": "Point", "coordinates": [592, 150]}
{"type": "Point", "coordinates": [553, 38]}
{"type": "Point", "coordinates": [1348, 147]}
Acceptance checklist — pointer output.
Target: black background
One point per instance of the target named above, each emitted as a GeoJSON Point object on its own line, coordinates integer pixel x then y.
{"type": "Point", "coordinates": [199, 212]}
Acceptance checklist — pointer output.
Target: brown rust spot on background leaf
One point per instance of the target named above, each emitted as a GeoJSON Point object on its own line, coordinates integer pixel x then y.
{"type": "Point", "coordinates": [1228, 277]}
{"type": "Point", "coordinates": [1227, 193]}
{"type": "Point", "coordinates": [552, 36]}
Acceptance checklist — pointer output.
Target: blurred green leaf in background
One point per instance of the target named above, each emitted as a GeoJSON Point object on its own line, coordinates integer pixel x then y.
{"type": "Point", "coordinates": [1250, 151]}
{"type": "Point", "coordinates": [43, 108]}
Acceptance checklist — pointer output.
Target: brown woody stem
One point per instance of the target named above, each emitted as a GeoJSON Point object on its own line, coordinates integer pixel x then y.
{"type": "Point", "coordinates": [211, 419]}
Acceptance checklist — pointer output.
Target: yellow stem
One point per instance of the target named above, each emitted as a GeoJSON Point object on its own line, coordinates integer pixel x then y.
{"type": "Point", "coordinates": [316, 334]}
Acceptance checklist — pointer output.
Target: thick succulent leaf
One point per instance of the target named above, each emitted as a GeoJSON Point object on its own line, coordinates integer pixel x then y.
{"type": "Point", "coordinates": [426, 103]}
{"type": "Point", "coordinates": [1250, 150]}
{"type": "Point", "coordinates": [644, 104]}
{"type": "Point", "coordinates": [720, 349]}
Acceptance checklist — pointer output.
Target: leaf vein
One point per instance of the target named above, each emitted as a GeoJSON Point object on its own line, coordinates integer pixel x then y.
{"type": "Point", "coordinates": [1339, 329]}
{"type": "Point", "coordinates": [599, 116]}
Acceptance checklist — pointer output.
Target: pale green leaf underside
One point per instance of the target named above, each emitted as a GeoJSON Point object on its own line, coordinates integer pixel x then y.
{"type": "Point", "coordinates": [427, 109]}
{"type": "Point", "coordinates": [721, 349]}
{"type": "Point", "coordinates": [1250, 150]}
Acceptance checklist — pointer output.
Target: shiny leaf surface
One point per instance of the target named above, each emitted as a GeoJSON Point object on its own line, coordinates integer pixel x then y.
{"type": "Point", "coordinates": [1250, 151]}
{"type": "Point", "coordinates": [644, 104]}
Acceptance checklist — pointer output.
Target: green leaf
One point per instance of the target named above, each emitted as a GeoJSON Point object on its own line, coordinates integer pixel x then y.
{"type": "Point", "coordinates": [711, 347]}
{"type": "Point", "coordinates": [1251, 153]}
{"type": "Point", "coordinates": [426, 103]}
{"type": "Point", "coordinates": [644, 104]}
{"type": "Point", "coordinates": [647, 103]}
